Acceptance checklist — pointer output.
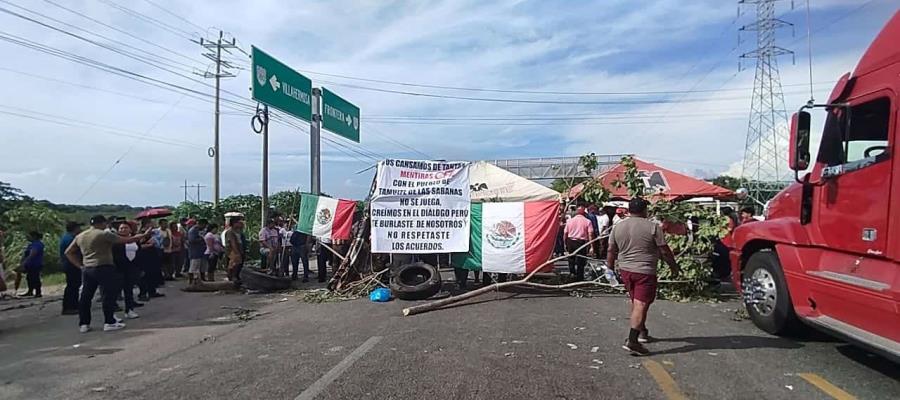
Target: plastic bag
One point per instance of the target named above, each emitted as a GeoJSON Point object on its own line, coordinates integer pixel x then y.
{"type": "Point", "coordinates": [380, 295]}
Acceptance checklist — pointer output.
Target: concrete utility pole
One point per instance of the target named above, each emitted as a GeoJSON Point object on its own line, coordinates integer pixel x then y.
{"type": "Point", "coordinates": [214, 53]}
{"type": "Point", "coordinates": [265, 167]}
{"type": "Point", "coordinates": [315, 135]}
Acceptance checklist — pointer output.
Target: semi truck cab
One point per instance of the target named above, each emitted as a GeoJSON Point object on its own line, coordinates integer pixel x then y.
{"type": "Point", "coordinates": [828, 253]}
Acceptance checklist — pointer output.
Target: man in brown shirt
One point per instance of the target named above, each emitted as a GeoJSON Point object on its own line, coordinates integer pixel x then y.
{"type": "Point", "coordinates": [637, 243]}
{"type": "Point", "coordinates": [91, 251]}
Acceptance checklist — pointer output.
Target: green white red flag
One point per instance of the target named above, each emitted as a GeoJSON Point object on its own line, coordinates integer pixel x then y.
{"type": "Point", "coordinates": [324, 217]}
{"type": "Point", "coordinates": [510, 237]}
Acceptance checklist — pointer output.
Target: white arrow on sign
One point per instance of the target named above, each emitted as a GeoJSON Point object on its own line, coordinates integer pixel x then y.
{"type": "Point", "coordinates": [349, 120]}
{"type": "Point", "coordinates": [274, 82]}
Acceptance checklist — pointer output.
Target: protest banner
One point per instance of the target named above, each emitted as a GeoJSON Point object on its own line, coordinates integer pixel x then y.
{"type": "Point", "coordinates": [420, 207]}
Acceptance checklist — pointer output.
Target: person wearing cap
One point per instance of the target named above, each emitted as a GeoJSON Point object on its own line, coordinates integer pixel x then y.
{"type": "Point", "coordinates": [73, 275]}
{"type": "Point", "coordinates": [91, 251]}
{"type": "Point", "coordinates": [635, 247]}
{"type": "Point", "coordinates": [578, 232]}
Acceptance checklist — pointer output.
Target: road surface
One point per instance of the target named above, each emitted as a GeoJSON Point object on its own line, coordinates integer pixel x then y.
{"type": "Point", "coordinates": [503, 346]}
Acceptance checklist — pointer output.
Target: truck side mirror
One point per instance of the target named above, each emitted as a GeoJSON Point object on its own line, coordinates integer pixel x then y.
{"type": "Point", "coordinates": [799, 157]}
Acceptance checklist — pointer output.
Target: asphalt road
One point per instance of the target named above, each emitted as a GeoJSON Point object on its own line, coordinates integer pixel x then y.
{"type": "Point", "coordinates": [500, 346]}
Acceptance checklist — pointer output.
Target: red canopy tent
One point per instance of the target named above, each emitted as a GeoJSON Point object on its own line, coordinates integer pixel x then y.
{"type": "Point", "coordinates": [664, 183]}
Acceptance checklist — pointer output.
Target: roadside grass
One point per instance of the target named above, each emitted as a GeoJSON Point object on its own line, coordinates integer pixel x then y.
{"type": "Point", "coordinates": [53, 279]}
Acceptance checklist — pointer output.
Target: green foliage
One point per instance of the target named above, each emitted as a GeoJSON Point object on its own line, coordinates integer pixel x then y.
{"type": "Point", "coordinates": [592, 191]}
{"type": "Point", "coordinates": [730, 182]}
{"type": "Point", "coordinates": [28, 217]}
{"type": "Point", "coordinates": [631, 180]}
{"type": "Point", "coordinates": [285, 203]}
{"type": "Point", "coordinates": [693, 250]}
{"type": "Point", "coordinates": [9, 197]}
{"type": "Point", "coordinates": [32, 217]}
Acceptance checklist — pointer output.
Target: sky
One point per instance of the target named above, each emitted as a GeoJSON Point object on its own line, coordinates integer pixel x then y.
{"type": "Point", "coordinates": [72, 133]}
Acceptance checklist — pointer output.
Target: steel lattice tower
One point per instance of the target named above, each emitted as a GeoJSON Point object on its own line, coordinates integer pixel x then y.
{"type": "Point", "coordinates": [765, 164]}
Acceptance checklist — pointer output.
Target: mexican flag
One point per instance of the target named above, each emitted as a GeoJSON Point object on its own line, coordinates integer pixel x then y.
{"type": "Point", "coordinates": [324, 217]}
{"type": "Point", "coordinates": [510, 237]}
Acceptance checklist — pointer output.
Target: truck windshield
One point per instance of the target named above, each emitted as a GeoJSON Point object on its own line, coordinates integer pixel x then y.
{"type": "Point", "coordinates": [866, 136]}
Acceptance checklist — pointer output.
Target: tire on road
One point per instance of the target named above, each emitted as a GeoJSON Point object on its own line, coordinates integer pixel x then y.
{"type": "Point", "coordinates": [781, 320]}
{"type": "Point", "coordinates": [416, 281]}
{"type": "Point", "coordinates": [257, 280]}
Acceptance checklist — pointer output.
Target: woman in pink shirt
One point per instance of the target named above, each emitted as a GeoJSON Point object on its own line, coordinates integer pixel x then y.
{"type": "Point", "coordinates": [214, 250]}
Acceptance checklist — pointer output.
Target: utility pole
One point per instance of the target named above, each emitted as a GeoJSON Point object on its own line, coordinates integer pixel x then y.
{"type": "Point", "coordinates": [214, 53]}
{"type": "Point", "coordinates": [185, 187]}
{"type": "Point", "coordinates": [315, 135]}
{"type": "Point", "coordinates": [765, 152]}
{"type": "Point", "coordinates": [265, 167]}
{"type": "Point", "coordinates": [198, 191]}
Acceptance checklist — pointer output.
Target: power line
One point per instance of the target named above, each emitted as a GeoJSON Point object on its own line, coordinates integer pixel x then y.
{"type": "Point", "coordinates": [166, 10]}
{"type": "Point", "coordinates": [551, 92]}
{"type": "Point", "coordinates": [168, 61]}
{"type": "Point", "coordinates": [150, 20]}
{"type": "Point", "coordinates": [136, 76]}
{"type": "Point", "coordinates": [524, 101]}
{"type": "Point", "coordinates": [91, 41]}
{"type": "Point", "coordinates": [401, 144]}
{"type": "Point", "coordinates": [124, 32]}
{"type": "Point", "coordinates": [128, 150]}
{"type": "Point", "coordinates": [74, 123]}
{"type": "Point", "coordinates": [548, 123]}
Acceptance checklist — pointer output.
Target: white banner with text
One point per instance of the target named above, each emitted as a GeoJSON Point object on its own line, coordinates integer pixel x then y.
{"type": "Point", "coordinates": [420, 207]}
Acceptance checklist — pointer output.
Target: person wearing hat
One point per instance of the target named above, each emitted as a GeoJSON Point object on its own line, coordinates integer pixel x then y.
{"type": "Point", "coordinates": [579, 231]}
{"type": "Point", "coordinates": [91, 251]}
{"type": "Point", "coordinates": [73, 275]}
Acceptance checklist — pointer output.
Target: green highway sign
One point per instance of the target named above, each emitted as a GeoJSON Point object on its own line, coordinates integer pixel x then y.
{"type": "Point", "coordinates": [279, 86]}
{"type": "Point", "coordinates": [340, 116]}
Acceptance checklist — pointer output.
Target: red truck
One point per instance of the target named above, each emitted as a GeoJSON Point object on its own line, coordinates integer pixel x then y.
{"type": "Point", "coordinates": [828, 253]}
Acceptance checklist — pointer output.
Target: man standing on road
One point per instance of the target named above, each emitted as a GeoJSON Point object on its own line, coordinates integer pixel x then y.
{"type": "Point", "coordinates": [638, 243]}
{"type": "Point", "coordinates": [234, 249]}
{"type": "Point", "coordinates": [579, 231]}
{"type": "Point", "coordinates": [197, 252]}
{"type": "Point", "coordinates": [73, 275]}
{"type": "Point", "coordinates": [91, 251]}
{"type": "Point", "coordinates": [299, 253]}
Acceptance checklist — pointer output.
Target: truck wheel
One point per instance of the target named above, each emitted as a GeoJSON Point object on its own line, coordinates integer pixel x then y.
{"type": "Point", "coordinates": [766, 295]}
{"type": "Point", "coordinates": [416, 281]}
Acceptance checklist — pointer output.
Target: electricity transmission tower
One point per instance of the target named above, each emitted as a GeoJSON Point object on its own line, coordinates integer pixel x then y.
{"type": "Point", "coordinates": [765, 166]}
{"type": "Point", "coordinates": [213, 51]}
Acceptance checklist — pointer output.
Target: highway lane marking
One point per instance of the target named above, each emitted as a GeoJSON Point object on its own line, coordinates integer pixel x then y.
{"type": "Point", "coordinates": [318, 386]}
{"type": "Point", "coordinates": [827, 387]}
{"type": "Point", "coordinates": [664, 380]}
